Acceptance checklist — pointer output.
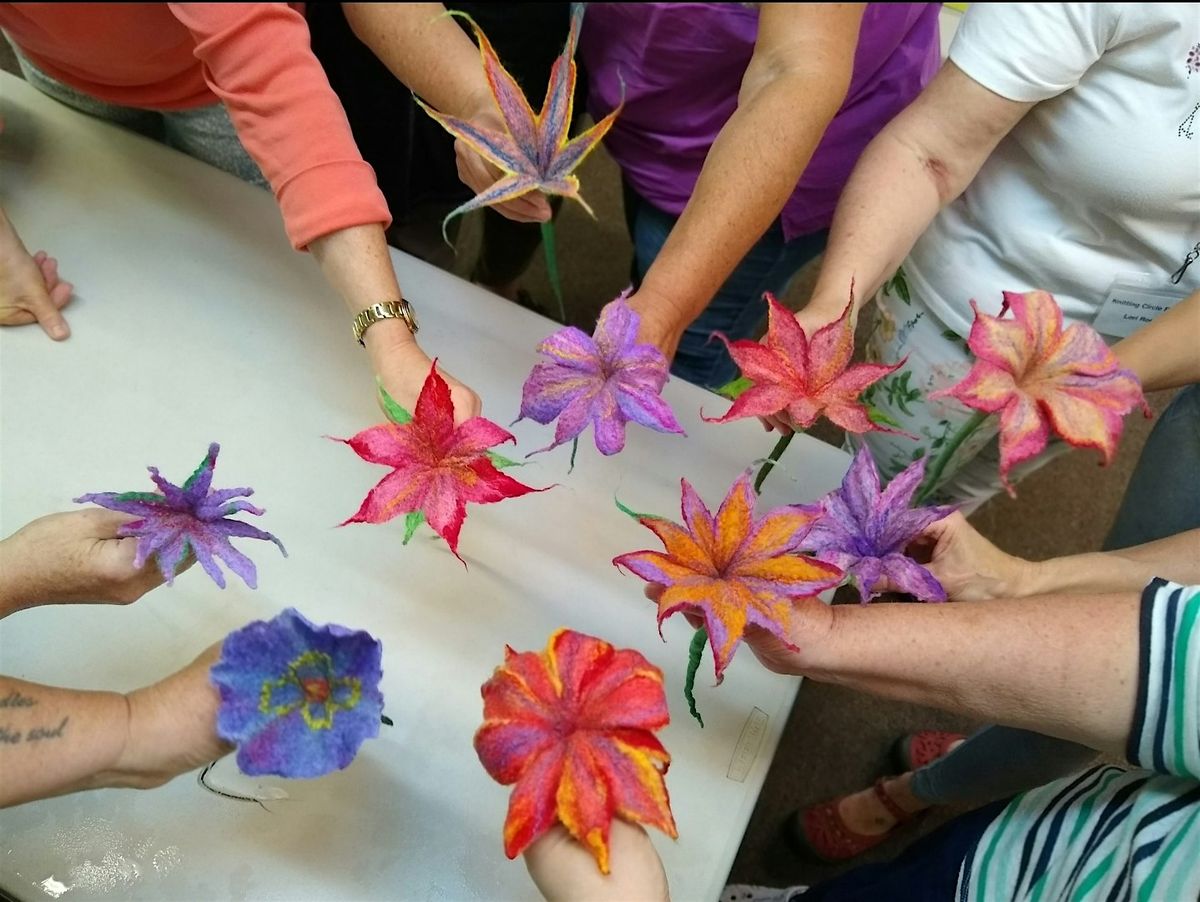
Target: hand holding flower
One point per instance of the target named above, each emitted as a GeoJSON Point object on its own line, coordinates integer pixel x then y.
{"type": "Point", "coordinates": [79, 556]}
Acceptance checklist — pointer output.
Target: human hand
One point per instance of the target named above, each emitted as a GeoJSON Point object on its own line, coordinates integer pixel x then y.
{"type": "Point", "coordinates": [661, 321]}
{"type": "Point", "coordinates": [402, 368]}
{"type": "Point", "coordinates": [76, 556]}
{"type": "Point", "coordinates": [172, 727]}
{"type": "Point", "coordinates": [30, 288]}
{"type": "Point", "coordinates": [565, 871]}
{"type": "Point", "coordinates": [479, 175]}
{"type": "Point", "coordinates": [969, 567]}
{"type": "Point", "coordinates": [811, 623]}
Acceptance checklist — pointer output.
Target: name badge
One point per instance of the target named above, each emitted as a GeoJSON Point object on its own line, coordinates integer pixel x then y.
{"type": "Point", "coordinates": [1134, 299]}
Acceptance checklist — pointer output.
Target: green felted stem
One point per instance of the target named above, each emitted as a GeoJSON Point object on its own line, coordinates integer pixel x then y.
{"type": "Point", "coordinates": [574, 448]}
{"type": "Point", "coordinates": [769, 464]}
{"type": "Point", "coordinates": [695, 650]}
{"type": "Point", "coordinates": [934, 475]}
{"type": "Point", "coordinates": [551, 252]}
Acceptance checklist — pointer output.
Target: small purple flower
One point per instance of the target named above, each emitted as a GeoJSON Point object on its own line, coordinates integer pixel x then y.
{"type": "Point", "coordinates": [865, 531]}
{"type": "Point", "coordinates": [606, 378]}
{"type": "Point", "coordinates": [298, 699]}
{"type": "Point", "coordinates": [191, 517]}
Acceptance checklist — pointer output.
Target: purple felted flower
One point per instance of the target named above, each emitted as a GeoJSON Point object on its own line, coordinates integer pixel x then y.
{"type": "Point", "coordinates": [606, 378]}
{"type": "Point", "coordinates": [865, 531]}
{"type": "Point", "coordinates": [191, 517]}
{"type": "Point", "coordinates": [298, 699]}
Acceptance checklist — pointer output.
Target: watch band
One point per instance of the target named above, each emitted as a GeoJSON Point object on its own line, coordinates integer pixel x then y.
{"type": "Point", "coordinates": [400, 309]}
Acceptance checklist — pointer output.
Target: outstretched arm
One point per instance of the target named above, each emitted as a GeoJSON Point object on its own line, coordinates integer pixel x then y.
{"type": "Point", "coordinates": [56, 741]}
{"type": "Point", "coordinates": [921, 161]}
{"type": "Point", "coordinates": [427, 51]}
{"type": "Point", "coordinates": [794, 85]}
{"type": "Point", "coordinates": [1166, 353]}
{"type": "Point", "coordinates": [1066, 665]}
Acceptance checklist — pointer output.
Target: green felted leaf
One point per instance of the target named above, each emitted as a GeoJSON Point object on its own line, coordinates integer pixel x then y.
{"type": "Point", "coordinates": [394, 411]}
{"type": "Point", "coordinates": [695, 650]}
{"type": "Point", "coordinates": [880, 418]}
{"type": "Point", "coordinates": [499, 461]}
{"type": "Point", "coordinates": [733, 390]}
{"type": "Point", "coordinates": [411, 522]}
{"type": "Point", "coordinates": [151, 497]}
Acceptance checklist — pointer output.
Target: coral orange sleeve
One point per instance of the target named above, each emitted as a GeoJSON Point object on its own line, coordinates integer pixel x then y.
{"type": "Point", "coordinates": [257, 59]}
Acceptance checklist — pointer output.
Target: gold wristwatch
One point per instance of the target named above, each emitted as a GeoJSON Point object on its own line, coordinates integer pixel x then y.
{"type": "Point", "coordinates": [400, 309]}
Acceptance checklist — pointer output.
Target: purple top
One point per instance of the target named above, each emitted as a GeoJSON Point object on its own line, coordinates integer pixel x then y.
{"type": "Point", "coordinates": [682, 66]}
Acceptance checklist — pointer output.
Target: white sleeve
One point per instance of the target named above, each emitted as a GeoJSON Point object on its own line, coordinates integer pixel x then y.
{"type": "Point", "coordinates": [1030, 52]}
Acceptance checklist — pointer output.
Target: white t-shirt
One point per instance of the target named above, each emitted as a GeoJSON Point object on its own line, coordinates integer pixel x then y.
{"type": "Point", "coordinates": [1101, 178]}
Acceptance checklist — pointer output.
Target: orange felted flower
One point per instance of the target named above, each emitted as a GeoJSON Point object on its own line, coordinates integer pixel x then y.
{"type": "Point", "coordinates": [573, 728]}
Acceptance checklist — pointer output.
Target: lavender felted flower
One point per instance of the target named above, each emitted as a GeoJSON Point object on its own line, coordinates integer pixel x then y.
{"type": "Point", "coordinates": [298, 699]}
{"type": "Point", "coordinates": [606, 378]}
{"type": "Point", "coordinates": [865, 531]}
{"type": "Point", "coordinates": [192, 517]}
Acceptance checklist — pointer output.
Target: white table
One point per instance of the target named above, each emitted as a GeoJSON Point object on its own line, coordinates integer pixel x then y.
{"type": "Point", "coordinates": [194, 321]}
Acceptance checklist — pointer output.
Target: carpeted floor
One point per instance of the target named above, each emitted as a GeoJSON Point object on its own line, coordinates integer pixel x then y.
{"type": "Point", "coordinates": [836, 740]}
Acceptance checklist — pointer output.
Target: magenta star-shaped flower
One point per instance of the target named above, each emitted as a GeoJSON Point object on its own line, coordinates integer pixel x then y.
{"type": "Point", "coordinates": [191, 518]}
{"type": "Point", "coordinates": [864, 530]}
{"type": "Point", "coordinates": [606, 378]}
{"type": "Point", "coordinates": [437, 467]}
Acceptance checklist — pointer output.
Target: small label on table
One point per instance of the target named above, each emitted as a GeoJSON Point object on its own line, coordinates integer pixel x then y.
{"type": "Point", "coordinates": [748, 744]}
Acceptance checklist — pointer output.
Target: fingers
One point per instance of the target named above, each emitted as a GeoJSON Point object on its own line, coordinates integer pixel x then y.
{"type": "Point", "coordinates": [44, 302]}
{"type": "Point", "coordinates": [479, 175]}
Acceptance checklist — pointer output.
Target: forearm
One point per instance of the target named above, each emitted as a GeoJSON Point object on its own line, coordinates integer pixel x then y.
{"type": "Point", "coordinates": [891, 198]}
{"type": "Point", "coordinates": [921, 161]}
{"type": "Point", "coordinates": [1176, 558]}
{"type": "Point", "coordinates": [1065, 666]}
{"type": "Point", "coordinates": [426, 50]}
{"type": "Point", "coordinates": [55, 741]}
{"type": "Point", "coordinates": [737, 197]}
{"type": "Point", "coordinates": [357, 265]}
{"type": "Point", "coordinates": [1166, 353]}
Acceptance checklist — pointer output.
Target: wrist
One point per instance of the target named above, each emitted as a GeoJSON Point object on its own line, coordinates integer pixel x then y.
{"type": "Point", "coordinates": [17, 590]}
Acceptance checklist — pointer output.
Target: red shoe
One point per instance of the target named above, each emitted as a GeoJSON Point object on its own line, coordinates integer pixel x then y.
{"type": "Point", "coordinates": [915, 750]}
{"type": "Point", "coordinates": [820, 832]}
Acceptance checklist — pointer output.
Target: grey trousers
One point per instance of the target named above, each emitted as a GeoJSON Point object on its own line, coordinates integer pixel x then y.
{"type": "Point", "coordinates": [206, 133]}
{"type": "Point", "coordinates": [1162, 499]}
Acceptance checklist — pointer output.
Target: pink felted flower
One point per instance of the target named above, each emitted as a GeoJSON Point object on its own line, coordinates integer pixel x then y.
{"type": "Point", "coordinates": [1041, 378]}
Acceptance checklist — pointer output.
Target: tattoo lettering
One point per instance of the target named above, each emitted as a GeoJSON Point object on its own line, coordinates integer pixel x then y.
{"type": "Point", "coordinates": [15, 699]}
{"type": "Point", "coordinates": [33, 734]}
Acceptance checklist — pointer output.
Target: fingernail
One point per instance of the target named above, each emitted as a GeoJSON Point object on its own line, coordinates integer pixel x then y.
{"type": "Point", "coordinates": [58, 331]}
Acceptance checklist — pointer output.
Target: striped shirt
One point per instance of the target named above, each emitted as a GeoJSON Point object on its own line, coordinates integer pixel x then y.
{"type": "Point", "coordinates": [1110, 833]}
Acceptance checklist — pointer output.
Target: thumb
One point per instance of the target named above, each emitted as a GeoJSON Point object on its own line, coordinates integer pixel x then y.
{"type": "Point", "coordinates": [38, 303]}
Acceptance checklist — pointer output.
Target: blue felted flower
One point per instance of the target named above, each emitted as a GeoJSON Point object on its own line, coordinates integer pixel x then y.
{"type": "Point", "coordinates": [298, 699]}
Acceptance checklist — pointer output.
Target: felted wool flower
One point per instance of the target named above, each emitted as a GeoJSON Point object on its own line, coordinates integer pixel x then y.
{"type": "Point", "coordinates": [606, 379]}
{"type": "Point", "coordinates": [296, 698]}
{"type": "Point", "coordinates": [734, 569]}
{"type": "Point", "coordinates": [192, 518]}
{"type": "Point", "coordinates": [804, 377]}
{"type": "Point", "coordinates": [865, 530]}
{"type": "Point", "coordinates": [1044, 379]}
{"type": "Point", "coordinates": [573, 727]}
{"type": "Point", "coordinates": [533, 150]}
{"type": "Point", "coordinates": [437, 467]}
